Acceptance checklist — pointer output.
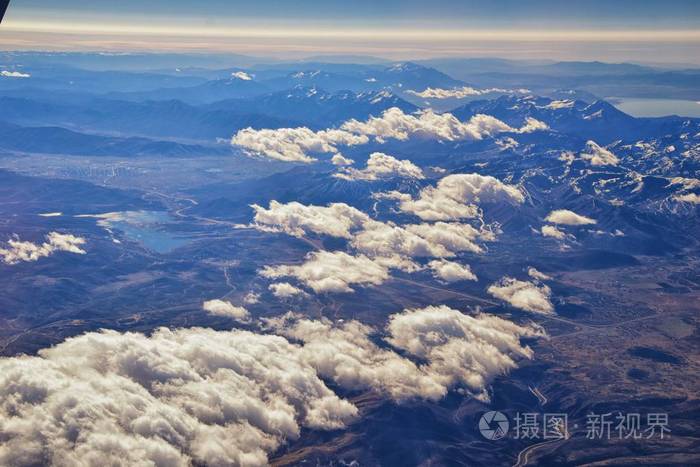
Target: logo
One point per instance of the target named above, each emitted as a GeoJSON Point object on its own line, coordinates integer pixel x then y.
{"type": "Point", "coordinates": [493, 425]}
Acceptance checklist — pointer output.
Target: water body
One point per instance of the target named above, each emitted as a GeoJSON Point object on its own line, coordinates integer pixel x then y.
{"type": "Point", "coordinates": [149, 228]}
{"type": "Point", "coordinates": [643, 107]}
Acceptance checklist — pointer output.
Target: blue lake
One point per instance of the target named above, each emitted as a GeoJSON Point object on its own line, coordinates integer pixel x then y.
{"type": "Point", "coordinates": [643, 107]}
{"type": "Point", "coordinates": [149, 228]}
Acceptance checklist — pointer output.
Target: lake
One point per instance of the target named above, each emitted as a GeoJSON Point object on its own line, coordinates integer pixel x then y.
{"type": "Point", "coordinates": [643, 107]}
{"type": "Point", "coordinates": [149, 228]}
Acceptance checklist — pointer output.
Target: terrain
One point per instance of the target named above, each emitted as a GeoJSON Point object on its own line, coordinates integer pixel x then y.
{"type": "Point", "coordinates": [149, 167]}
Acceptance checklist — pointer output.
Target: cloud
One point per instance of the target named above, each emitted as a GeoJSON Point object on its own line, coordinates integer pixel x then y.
{"type": "Point", "coordinates": [535, 274]}
{"type": "Point", "coordinates": [598, 155]}
{"type": "Point", "coordinates": [524, 295]}
{"type": "Point", "coordinates": [242, 75]}
{"type": "Point", "coordinates": [294, 144]}
{"type": "Point", "coordinates": [449, 271]}
{"type": "Point", "coordinates": [551, 231]}
{"type": "Point", "coordinates": [458, 196]}
{"type": "Point", "coordinates": [206, 397]}
{"type": "Point", "coordinates": [325, 271]}
{"type": "Point", "coordinates": [454, 351]}
{"type": "Point", "coordinates": [284, 290]}
{"type": "Point", "coordinates": [174, 398]}
{"type": "Point", "coordinates": [394, 124]}
{"type": "Point", "coordinates": [14, 74]}
{"type": "Point", "coordinates": [18, 251]}
{"type": "Point", "coordinates": [566, 217]}
{"type": "Point", "coordinates": [337, 219]}
{"type": "Point", "coordinates": [380, 166]}
{"type": "Point", "coordinates": [386, 244]}
{"type": "Point", "coordinates": [465, 91]}
{"type": "Point", "coordinates": [689, 198]}
{"type": "Point", "coordinates": [251, 298]}
{"type": "Point", "coordinates": [227, 309]}
{"type": "Point", "coordinates": [394, 246]}
{"type": "Point", "coordinates": [340, 160]}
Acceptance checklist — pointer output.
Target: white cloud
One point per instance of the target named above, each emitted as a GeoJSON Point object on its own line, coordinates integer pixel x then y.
{"type": "Point", "coordinates": [337, 219]}
{"type": "Point", "coordinates": [294, 144]}
{"type": "Point", "coordinates": [566, 217]}
{"type": "Point", "coordinates": [227, 309]}
{"type": "Point", "coordinates": [380, 165]}
{"type": "Point", "coordinates": [458, 196]}
{"type": "Point", "coordinates": [464, 91]}
{"type": "Point", "coordinates": [535, 274]}
{"type": "Point", "coordinates": [251, 298]}
{"type": "Point", "coordinates": [524, 295]}
{"type": "Point", "coordinates": [51, 214]}
{"type": "Point", "coordinates": [395, 246]}
{"type": "Point", "coordinates": [284, 290]}
{"type": "Point", "coordinates": [242, 75]}
{"type": "Point", "coordinates": [175, 398]}
{"type": "Point", "coordinates": [689, 198]}
{"type": "Point", "coordinates": [339, 159]}
{"type": "Point", "coordinates": [532, 125]}
{"type": "Point", "coordinates": [206, 397]}
{"type": "Point", "coordinates": [394, 124]}
{"type": "Point", "coordinates": [14, 74]}
{"type": "Point", "coordinates": [456, 351]}
{"type": "Point", "coordinates": [18, 251]}
{"type": "Point", "coordinates": [551, 231]}
{"type": "Point", "coordinates": [598, 155]}
{"type": "Point", "coordinates": [461, 350]}
{"type": "Point", "coordinates": [325, 271]}
{"type": "Point", "coordinates": [450, 271]}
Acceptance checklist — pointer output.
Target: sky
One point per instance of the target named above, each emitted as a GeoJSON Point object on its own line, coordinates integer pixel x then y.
{"type": "Point", "coordinates": [622, 30]}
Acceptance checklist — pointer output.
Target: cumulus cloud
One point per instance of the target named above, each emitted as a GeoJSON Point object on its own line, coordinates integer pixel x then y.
{"type": "Point", "coordinates": [380, 166]}
{"type": "Point", "coordinates": [395, 124]}
{"type": "Point", "coordinates": [251, 298]}
{"type": "Point", "coordinates": [242, 75]}
{"type": "Point", "coordinates": [450, 271]}
{"type": "Point", "coordinates": [227, 309]}
{"type": "Point", "coordinates": [14, 74]}
{"type": "Point", "coordinates": [388, 245]}
{"type": "Point", "coordinates": [284, 290]}
{"type": "Point", "coordinates": [461, 350]}
{"type": "Point", "coordinates": [551, 231]}
{"type": "Point", "coordinates": [455, 351]}
{"type": "Point", "coordinates": [325, 271]}
{"type": "Point", "coordinates": [296, 144]}
{"type": "Point", "coordinates": [340, 160]}
{"type": "Point", "coordinates": [380, 240]}
{"type": "Point", "coordinates": [462, 92]}
{"type": "Point", "coordinates": [458, 196]}
{"type": "Point", "coordinates": [598, 155]}
{"type": "Point", "coordinates": [18, 251]}
{"type": "Point", "coordinates": [205, 397]}
{"type": "Point", "coordinates": [174, 398]}
{"type": "Point", "coordinates": [566, 217]}
{"type": "Point", "coordinates": [535, 274]}
{"type": "Point", "coordinates": [524, 295]}
{"type": "Point", "coordinates": [336, 219]}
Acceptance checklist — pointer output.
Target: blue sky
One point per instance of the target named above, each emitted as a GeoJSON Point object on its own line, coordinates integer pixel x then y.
{"type": "Point", "coordinates": [594, 29]}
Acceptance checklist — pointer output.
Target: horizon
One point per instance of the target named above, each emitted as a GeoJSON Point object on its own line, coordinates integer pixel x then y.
{"type": "Point", "coordinates": [409, 30]}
